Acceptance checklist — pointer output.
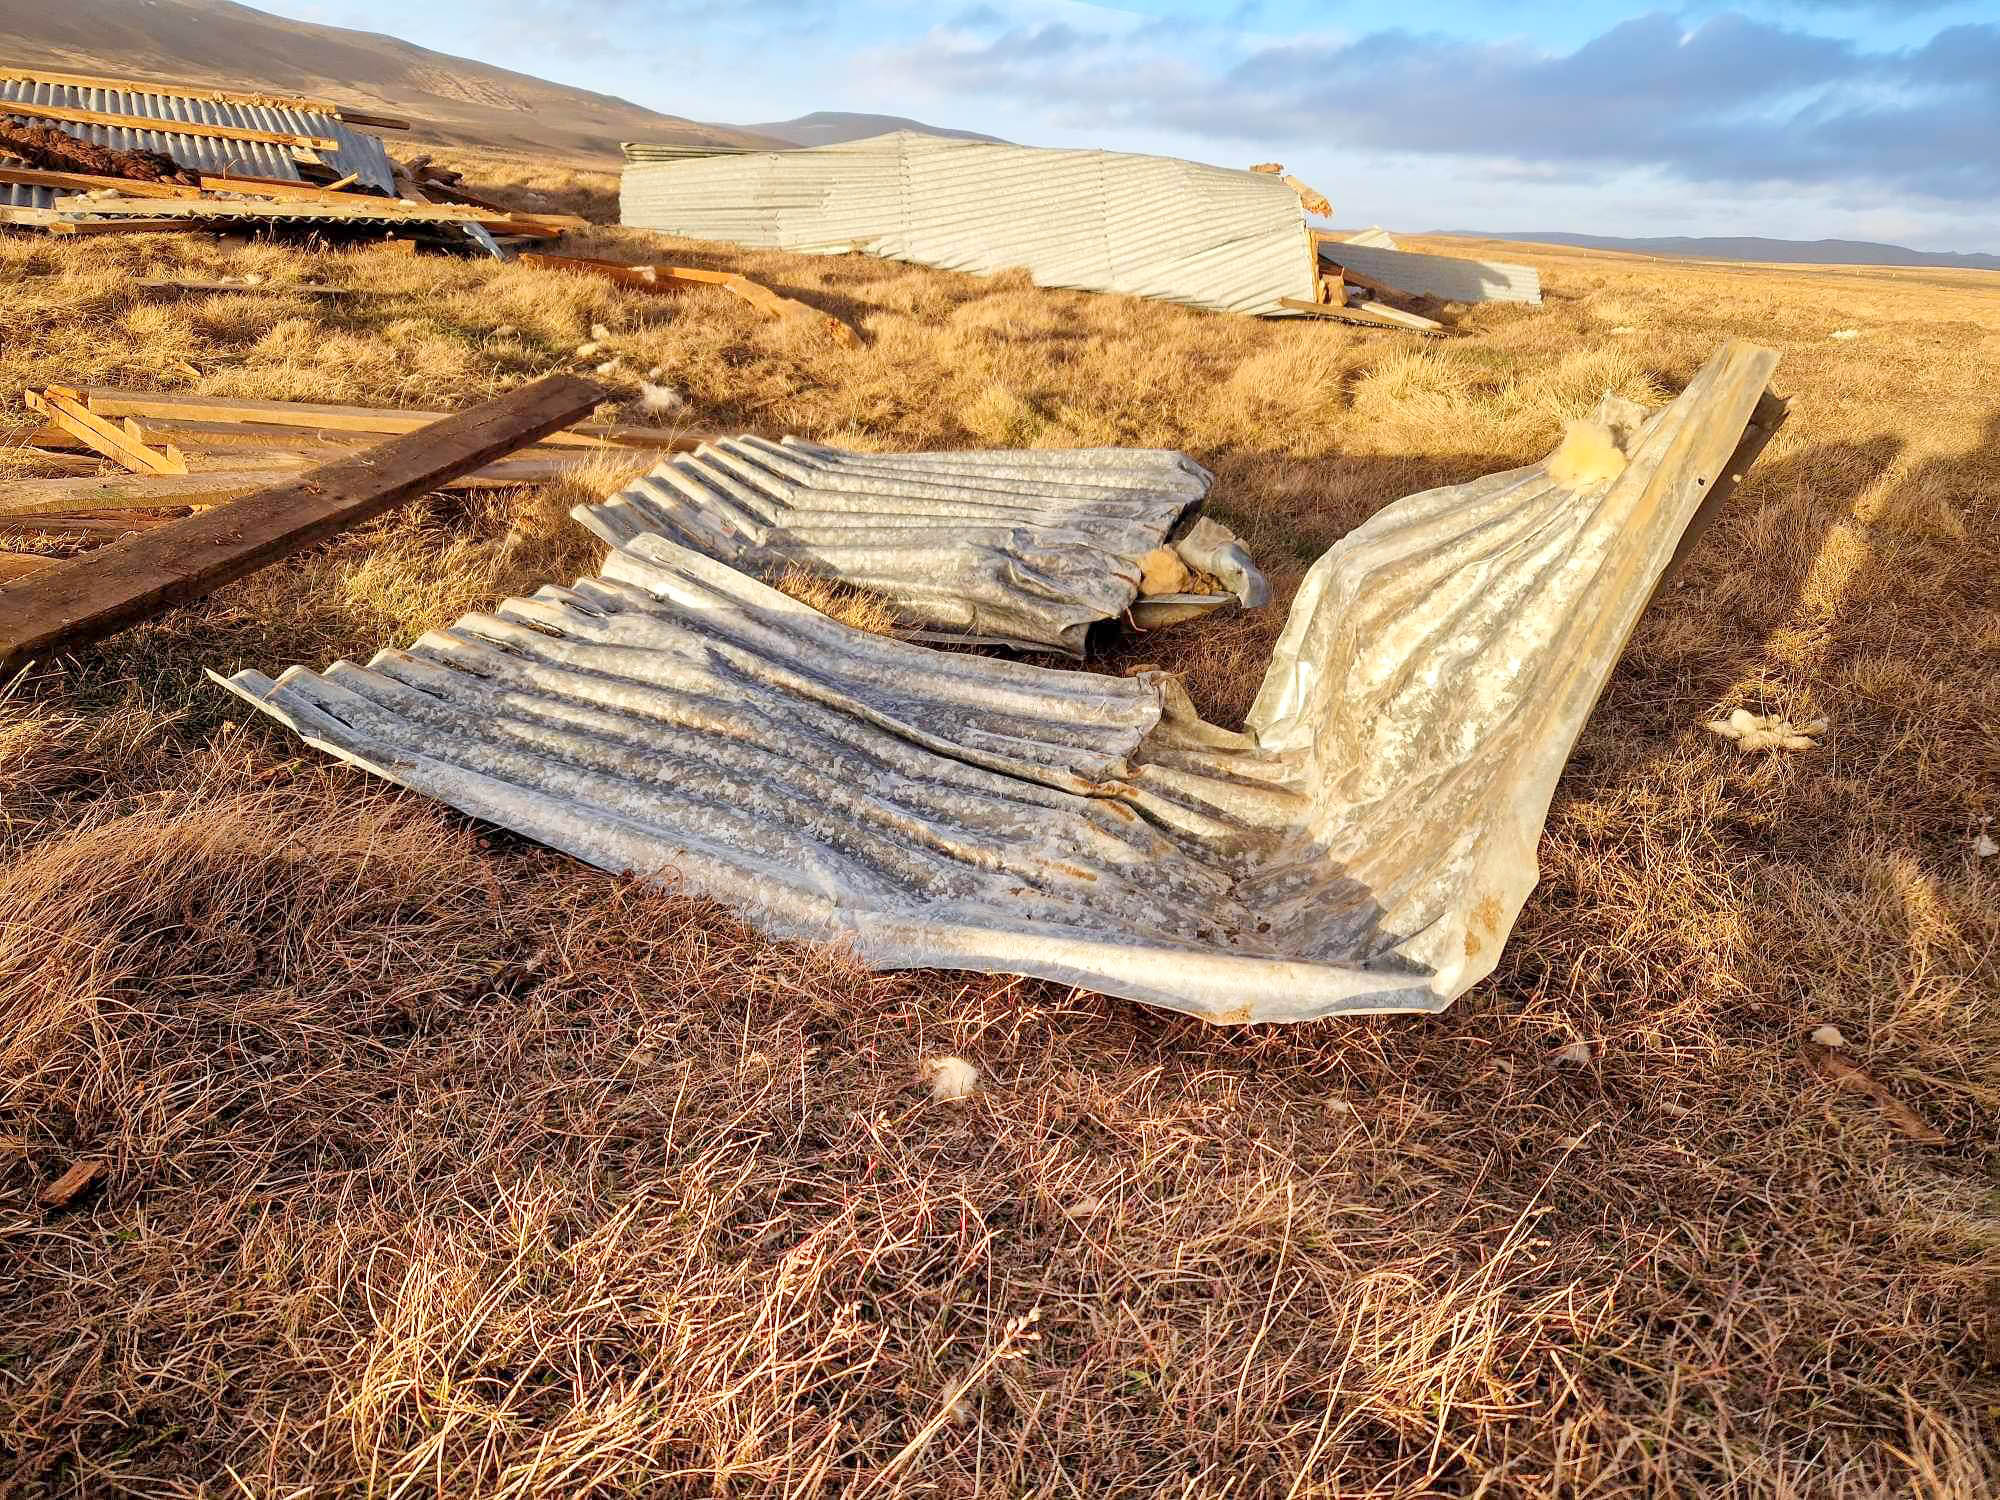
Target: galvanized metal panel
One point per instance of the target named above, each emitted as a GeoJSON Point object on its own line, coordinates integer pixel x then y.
{"type": "Point", "coordinates": [1103, 221]}
{"type": "Point", "coordinates": [179, 135]}
{"type": "Point", "coordinates": [1365, 845]}
{"type": "Point", "coordinates": [19, 195]}
{"type": "Point", "coordinates": [1449, 278]}
{"type": "Point", "coordinates": [1023, 548]}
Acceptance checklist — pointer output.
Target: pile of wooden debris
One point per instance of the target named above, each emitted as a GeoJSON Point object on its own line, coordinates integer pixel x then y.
{"type": "Point", "coordinates": [87, 155]}
{"type": "Point", "coordinates": [185, 453]}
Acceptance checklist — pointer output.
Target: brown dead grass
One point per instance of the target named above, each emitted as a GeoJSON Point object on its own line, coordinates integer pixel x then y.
{"type": "Point", "coordinates": [439, 1164]}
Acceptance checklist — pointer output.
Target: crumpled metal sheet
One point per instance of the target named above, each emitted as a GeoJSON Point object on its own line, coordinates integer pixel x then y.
{"type": "Point", "coordinates": [1102, 221]}
{"type": "Point", "coordinates": [1026, 548]}
{"type": "Point", "coordinates": [176, 131]}
{"type": "Point", "coordinates": [1364, 845]}
{"type": "Point", "coordinates": [1449, 278]}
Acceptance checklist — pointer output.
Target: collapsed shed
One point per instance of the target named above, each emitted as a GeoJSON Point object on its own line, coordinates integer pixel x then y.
{"type": "Point", "coordinates": [1364, 845]}
{"type": "Point", "coordinates": [83, 154]}
{"type": "Point", "coordinates": [1150, 226]}
{"type": "Point", "coordinates": [1102, 221]}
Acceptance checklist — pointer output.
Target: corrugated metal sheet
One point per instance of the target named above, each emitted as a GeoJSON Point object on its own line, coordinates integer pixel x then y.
{"type": "Point", "coordinates": [16, 195]}
{"type": "Point", "coordinates": [1150, 226]}
{"type": "Point", "coordinates": [1446, 277]}
{"type": "Point", "coordinates": [179, 135]}
{"type": "Point", "coordinates": [267, 211]}
{"type": "Point", "coordinates": [1007, 547]}
{"type": "Point", "coordinates": [1365, 845]}
{"type": "Point", "coordinates": [646, 151]}
{"type": "Point", "coordinates": [1374, 234]}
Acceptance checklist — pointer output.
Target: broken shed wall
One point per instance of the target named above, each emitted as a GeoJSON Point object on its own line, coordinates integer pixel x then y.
{"type": "Point", "coordinates": [177, 131]}
{"type": "Point", "coordinates": [1149, 226]}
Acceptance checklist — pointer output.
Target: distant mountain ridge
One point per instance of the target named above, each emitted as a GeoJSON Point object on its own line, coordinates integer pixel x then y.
{"type": "Point", "coordinates": [829, 127]}
{"type": "Point", "coordinates": [1752, 247]}
{"type": "Point", "coordinates": [447, 99]}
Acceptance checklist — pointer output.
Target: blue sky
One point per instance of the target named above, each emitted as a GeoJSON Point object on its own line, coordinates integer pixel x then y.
{"type": "Point", "coordinates": [1865, 119]}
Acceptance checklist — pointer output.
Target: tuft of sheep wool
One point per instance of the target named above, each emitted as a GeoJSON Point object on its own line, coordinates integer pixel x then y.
{"type": "Point", "coordinates": [1766, 731]}
{"type": "Point", "coordinates": [589, 350]}
{"type": "Point", "coordinates": [1577, 1055]}
{"type": "Point", "coordinates": [600, 333]}
{"type": "Point", "coordinates": [952, 1078]}
{"type": "Point", "coordinates": [609, 367]}
{"type": "Point", "coordinates": [660, 398]}
{"type": "Point", "coordinates": [1828, 1036]}
{"type": "Point", "coordinates": [1984, 847]}
{"type": "Point", "coordinates": [1589, 456]}
{"type": "Point", "coordinates": [1845, 333]}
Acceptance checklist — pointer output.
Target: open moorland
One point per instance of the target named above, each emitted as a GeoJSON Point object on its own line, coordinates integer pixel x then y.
{"type": "Point", "coordinates": [440, 1164]}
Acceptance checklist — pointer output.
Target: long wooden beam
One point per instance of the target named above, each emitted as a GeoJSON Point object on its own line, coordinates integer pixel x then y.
{"type": "Point", "coordinates": [1373, 313]}
{"type": "Point", "coordinates": [111, 402]}
{"type": "Point", "coordinates": [40, 497]}
{"type": "Point", "coordinates": [19, 110]}
{"type": "Point", "coordinates": [82, 523]}
{"type": "Point", "coordinates": [89, 182]}
{"type": "Point", "coordinates": [66, 227]}
{"type": "Point", "coordinates": [65, 607]}
{"type": "Point", "coordinates": [22, 499]}
{"type": "Point", "coordinates": [15, 565]}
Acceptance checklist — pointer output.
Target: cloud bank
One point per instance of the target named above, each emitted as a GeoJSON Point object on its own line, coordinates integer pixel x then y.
{"type": "Point", "coordinates": [1727, 100]}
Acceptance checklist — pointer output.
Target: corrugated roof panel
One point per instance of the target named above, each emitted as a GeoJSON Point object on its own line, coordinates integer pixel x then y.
{"type": "Point", "coordinates": [1449, 278]}
{"type": "Point", "coordinates": [1364, 845]}
{"type": "Point", "coordinates": [1094, 220]}
{"type": "Point", "coordinates": [178, 133]}
{"type": "Point", "coordinates": [1028, 549]}
{"type": "Point", "coordinates": [18, 195]}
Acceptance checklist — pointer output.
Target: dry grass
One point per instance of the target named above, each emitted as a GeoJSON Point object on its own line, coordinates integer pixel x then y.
{"type": "Point", "coordinates": [442, 1165]}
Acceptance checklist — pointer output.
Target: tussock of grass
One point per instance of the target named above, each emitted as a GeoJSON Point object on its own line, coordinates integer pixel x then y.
{"type": "Point", "coordinates": [440, 1164]}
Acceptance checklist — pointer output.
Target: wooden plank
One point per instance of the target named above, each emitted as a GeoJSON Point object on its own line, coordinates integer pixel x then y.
{"type": "Point", "coordinates": [371, 121]}
{"type": "Point", "coordinates": [343, 208]}
{"type": "Point", "coordinates": [652, 278]}
{"type": "Point", "coordinates": [111, 402]}
{"type": "Point", "coordinates": [25, 499]}
{"type": "Point", "coordinates": [87, 182]}
{"type": "Point", "coordinates": [63, 608]}
{"type": "Point", "coordinates": [66, 408]}
{"type": "Point", "coordinates": [1372, 313]}
{"type": "Point", "coordinates": [201, 437]}
{"type": "Point", "coordinates": [66, 227]}
{"type": "Point", "coordinates": [82, 523]}
{"type": "Point", "coordinates": [38, 497]}
{"type": "Point", "coordinates": [1366, 283]}
{"type": "Point", "coordinates": [280, 187]}
{"type": "Point", "coordinates": [15, 565]}
{"type": "Point", "coordinates": [16, 109]}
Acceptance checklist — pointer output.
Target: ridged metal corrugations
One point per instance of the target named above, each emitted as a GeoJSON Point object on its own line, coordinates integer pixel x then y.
{"type": "Point", "coordinates": [1025, 549]}
{"type": "Point", "coordinates": [1365, 845]}
{"type": "Point", "coordinates": [1446, 277]}
{"type": "Point", "coordinates": [1150, 226]}
{"type": "Point", "coordinates": [17, 195]}
{"type": "Point", "coordinates": [647, 151]}
{"type": "Point", "coordinates": [179, 135]}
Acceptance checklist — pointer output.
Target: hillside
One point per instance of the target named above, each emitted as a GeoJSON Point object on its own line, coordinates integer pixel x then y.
{"type": "Point", "coordinates": [1752, 248]}
{"type": "Point", "coordinates": [829, 127]}
{"type": "Point", "coordinates": [446, 98]}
